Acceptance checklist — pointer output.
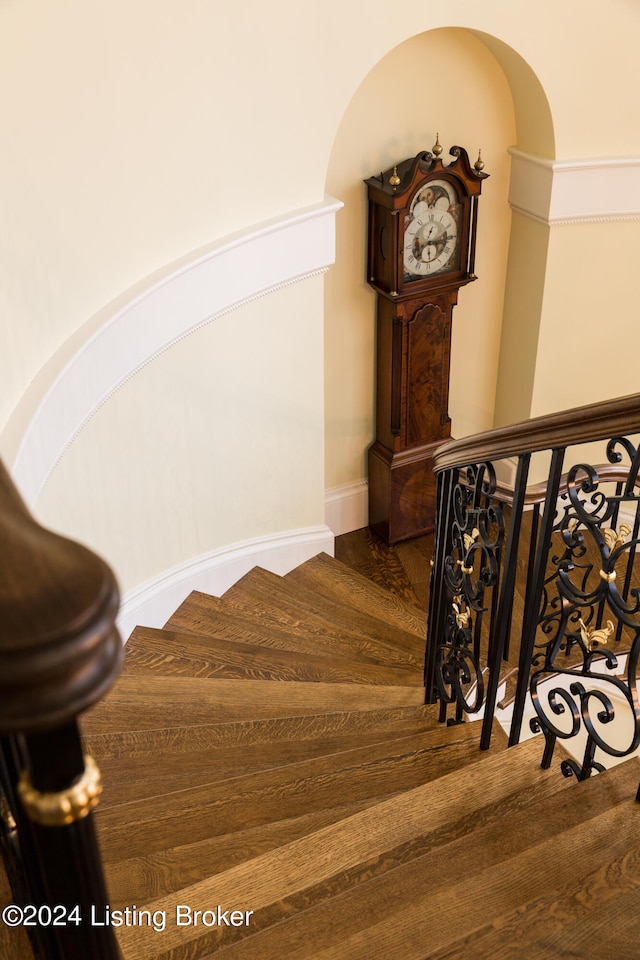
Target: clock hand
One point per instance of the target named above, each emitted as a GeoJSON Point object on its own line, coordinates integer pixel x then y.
{"type": "Point", "coordinates": [443, 238]}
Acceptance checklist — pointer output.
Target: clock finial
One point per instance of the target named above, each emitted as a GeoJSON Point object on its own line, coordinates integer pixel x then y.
{"type": "Point", "coordinates": [479, 164]}
{"type": "Point", "coordinates": [394, 179]}
{"type": "Point", "coordinates": [436, 149]}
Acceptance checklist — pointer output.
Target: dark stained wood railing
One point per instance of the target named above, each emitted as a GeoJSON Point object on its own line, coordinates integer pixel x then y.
{"type": "Point", "coordinates": [593, 421]}
{"type": "Point", "coordinates": [59, 654]}
{"type": "Point", "coordinates": [576, 535]}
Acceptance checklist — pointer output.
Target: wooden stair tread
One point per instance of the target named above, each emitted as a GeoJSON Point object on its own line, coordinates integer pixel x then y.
{"type": "Point", "coordinates": [173, 653]}
{"type": "Point", "coordinates": [429, 814]}
{"type": "Point", "coordinates": [589, 936]}
{"type": "Point", "coordinates": [217, 808]}
{"type": "Point", "coordinates": [206, 615]}
{"type": "Point", "coordinates": [481, 880]}
{"type": "Point", "coordinates": [138, 703]}
{"type": "Point", "coordinates": [142, 878]}
{"type": "Point", "coordinates": [283, 600]}
{"type": "Point", "coordinates": [332, 578]}
{"type": "Point", "coordinates": [173, 741]}
{"type": "Point", "coordinates": [145, 878]}
{"type": "Point", "coordinates": [126, 779]}
{"type": "Point", "coordinates": [515, 896]}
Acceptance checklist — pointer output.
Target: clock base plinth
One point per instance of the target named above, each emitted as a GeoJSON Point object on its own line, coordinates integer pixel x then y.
{"type": "Point", "coordinates": [402, 491]}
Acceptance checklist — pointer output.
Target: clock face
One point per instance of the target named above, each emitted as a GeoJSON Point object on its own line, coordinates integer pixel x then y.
{"type": "Point", "coordinates": [431, 238]}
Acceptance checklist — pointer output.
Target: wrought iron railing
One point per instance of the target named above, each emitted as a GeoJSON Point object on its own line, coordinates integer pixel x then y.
{"type": "Point", "coordinates": [59, 653]}
{"type": "Point", "coordinates": [543, 576]}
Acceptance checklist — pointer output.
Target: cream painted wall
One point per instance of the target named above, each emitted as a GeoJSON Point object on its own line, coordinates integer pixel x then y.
{"type": "Point", "coordinates": [521, 320]}
{"type": "Point", "coordinates": [387, 121]}
{"type": "Point", "coordinates": [137, 130]}
{"type": "Point", "coordinates": [133, 132]}
{"type": "Point", "coordinates": [204, 446]}
{"type": "Point", "coordinates": [589, 329]}
{"type": "Point", "coordinates": [590, 318]}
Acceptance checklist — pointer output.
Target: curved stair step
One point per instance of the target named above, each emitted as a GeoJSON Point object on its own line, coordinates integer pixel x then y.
{"type": "Point", "coordinates": [131, 745]}
{"type": "Point", "coordinates": [142, 879]}
{"type": "Point", "coordinates": [331, 578]}
{"type": "Point", "coordinates": [294, 789]}
{"type": "Point", "coordinates": [589, 935]}
{"type": "Point", "coordinates": [211, 616]}
{"type": "Point", "coordinates": [138, 703]}
{"type": "Point", "coordinates": [282, 600]}
{"type": "Point", "coordinates": [326, 878]}
{"type": "Point", "coordinates": [173, 653]}
{"type": "Point", "coordinates": [143, 776]}
{"type": "Point", "coordinates": [548, 881]}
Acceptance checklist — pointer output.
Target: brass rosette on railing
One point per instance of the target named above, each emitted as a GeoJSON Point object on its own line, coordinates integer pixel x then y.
{"type": "Point", "coordinates": [64, 807]}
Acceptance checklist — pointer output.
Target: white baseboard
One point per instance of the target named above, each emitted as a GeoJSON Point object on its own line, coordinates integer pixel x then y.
{"type": "Point", "coordinates": [346, 508]}
{"type": "Point", "coordinates": [152, 603]}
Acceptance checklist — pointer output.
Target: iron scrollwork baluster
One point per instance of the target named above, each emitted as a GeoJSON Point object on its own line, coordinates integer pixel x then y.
{"type": "Point", "coordinates": [470, 570]}
{"type": "Point", "coordinates": [580, 602]}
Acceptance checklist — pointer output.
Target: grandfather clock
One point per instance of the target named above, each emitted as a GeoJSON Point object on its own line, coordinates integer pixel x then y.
{"type": "Point", "coordinates": [422, 234]}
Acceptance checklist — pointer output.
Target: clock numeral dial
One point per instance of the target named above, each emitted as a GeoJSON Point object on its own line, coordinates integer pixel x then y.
{"type": "Point", "coordinates": [431, 238]}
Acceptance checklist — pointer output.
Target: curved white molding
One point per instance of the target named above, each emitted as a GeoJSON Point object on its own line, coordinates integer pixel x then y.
{"type": "Point", "coordinates": [557, 192]}
{"type": "Point", "coordinates": [148, 319]}
{"type": "Point", "coordinates": [152, 603]}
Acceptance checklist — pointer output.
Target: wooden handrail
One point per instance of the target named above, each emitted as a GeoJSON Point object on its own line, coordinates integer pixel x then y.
{"type": "Point", "coordinates": [59, 647]}
{"type": "Point", "coordinates": [608, 418]}
{"type": "Point", "coordinates": [536, 493]}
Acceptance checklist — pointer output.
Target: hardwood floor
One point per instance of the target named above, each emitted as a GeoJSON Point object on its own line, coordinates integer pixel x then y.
{"type": "Point", "coordinates": [403, 568]}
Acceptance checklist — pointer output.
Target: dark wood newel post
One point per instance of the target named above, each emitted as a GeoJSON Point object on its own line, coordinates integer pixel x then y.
{"type": "Point", "coordinates": [59, 654]}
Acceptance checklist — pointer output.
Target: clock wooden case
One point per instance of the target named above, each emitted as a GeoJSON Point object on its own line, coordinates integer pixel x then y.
{"type": "Point", "coordinates": [421, 237]}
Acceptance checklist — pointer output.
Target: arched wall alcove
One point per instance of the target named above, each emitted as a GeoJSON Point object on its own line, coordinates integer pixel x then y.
{"type": "Point", "coordinates": [472, 90]}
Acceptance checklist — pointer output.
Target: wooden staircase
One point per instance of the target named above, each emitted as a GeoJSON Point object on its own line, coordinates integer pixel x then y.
{"type": "Point", "coordinates": [269, 753]}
